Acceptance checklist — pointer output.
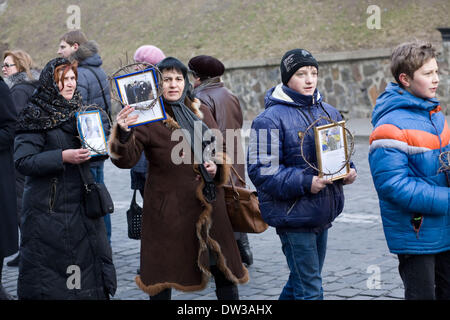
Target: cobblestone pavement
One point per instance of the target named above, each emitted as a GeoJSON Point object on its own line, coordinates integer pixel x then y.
{"type": "Point", "coordinates": [358, 264]}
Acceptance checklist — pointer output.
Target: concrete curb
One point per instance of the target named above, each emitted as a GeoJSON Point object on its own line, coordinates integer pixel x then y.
{"type": "Point", "coordinates": [321, 57]}
{"type": "Point", "coordinates": [363, 127]}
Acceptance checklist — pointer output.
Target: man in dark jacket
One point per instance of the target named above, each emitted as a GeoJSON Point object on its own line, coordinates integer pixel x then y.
{"type": "Point", "coordinates": [93, 86]}
{"type": "Point", "coordinates": [227, 112]}
{"type": "Point", "coordinates": [293, 197]}
{"type": "Point", "coordinates": [8, 215]}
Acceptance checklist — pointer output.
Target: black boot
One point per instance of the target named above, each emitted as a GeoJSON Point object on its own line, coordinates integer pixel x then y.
{"type": "Point", "coordinates": [244, 249]}
{"type": "Point", "coordinates": [165, 294]}
{"type": "Point", "coordinates": [14, 262]}
{"type": "Point", "coordinates": [227, 293]}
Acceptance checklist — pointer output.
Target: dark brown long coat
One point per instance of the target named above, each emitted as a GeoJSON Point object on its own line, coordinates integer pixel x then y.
{"type": "Point", "coordinates": [179, 226]}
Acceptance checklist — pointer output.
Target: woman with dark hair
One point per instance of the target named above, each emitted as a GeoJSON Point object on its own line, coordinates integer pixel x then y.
{"type": "Point", "coordinates": [63, 253]}
{"type": "Point", "coordinates": [186, 233]}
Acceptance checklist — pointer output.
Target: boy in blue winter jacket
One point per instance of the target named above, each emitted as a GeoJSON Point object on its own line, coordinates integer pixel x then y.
{"type": "Point", "coordinates": [293, 198]}
{"type": "Point", "coordinates": [410, 132]}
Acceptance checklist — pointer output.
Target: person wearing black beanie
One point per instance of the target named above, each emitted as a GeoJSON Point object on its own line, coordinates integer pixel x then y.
{"type": "Point", "coordinates": [294, 60]}
{"type": "Point", "coordinates": [295, 199]}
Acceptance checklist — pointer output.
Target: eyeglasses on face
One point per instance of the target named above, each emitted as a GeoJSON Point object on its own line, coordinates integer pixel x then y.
{"type": "Point", "coordinates": [7, 65]}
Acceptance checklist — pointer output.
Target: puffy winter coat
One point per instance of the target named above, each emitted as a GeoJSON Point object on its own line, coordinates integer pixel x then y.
{"type": "Point", "coordinates": [57, 236]}
{"type": "Point", "coordinates": [87, 84]}
{"type": "Point", "coordinates": [409, 134]}
{"type": "Point", "coordinates": [278, 171]}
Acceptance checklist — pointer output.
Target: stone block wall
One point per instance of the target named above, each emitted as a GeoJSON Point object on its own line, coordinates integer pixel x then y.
{"type": "Point", "coordinates": [350, 81]}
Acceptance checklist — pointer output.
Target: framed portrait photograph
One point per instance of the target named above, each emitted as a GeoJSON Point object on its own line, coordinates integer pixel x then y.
{"type": "Point", "coordinates": [92, 133]}
{"type": "Point", "coordinates": [331, 150]}
{"type": "Point", "coordinates": [140, 90]}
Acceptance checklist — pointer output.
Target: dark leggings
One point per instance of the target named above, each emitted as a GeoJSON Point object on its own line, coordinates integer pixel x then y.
{"type": "Point", "coordinates": [425, 276]}
{"type": "Point", "coordinates": [222, 285]}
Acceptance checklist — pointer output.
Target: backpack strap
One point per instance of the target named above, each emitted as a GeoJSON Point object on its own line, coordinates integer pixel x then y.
{"type": "Point", "coordinates": [101, 88]}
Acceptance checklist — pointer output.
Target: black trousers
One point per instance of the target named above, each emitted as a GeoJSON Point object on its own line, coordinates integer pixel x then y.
{"type": "Point", "coordinates": [425, 277]}
{"type": "Point", "coordinates": [225, 289]}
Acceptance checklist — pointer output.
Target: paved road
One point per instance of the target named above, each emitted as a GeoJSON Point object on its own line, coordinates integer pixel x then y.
{"type": "Point", "coordinates": [358, 264]}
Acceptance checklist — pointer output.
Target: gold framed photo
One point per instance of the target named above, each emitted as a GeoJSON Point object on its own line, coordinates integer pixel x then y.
{"type": "Point", "coordinates": [332, 151]}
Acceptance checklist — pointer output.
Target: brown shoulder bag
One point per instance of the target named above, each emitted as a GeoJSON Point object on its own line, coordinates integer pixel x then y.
{"type": "Point", "coordinates": [243, 207]}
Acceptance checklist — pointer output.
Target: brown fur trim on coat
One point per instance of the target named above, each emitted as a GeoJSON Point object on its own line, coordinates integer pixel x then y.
{"type": "Point", "coordinates": [222, 264]}
{"type": "Point", "coordinates": [195, 107]}
{"type": "Point", "coordinates": [86, 50]}
{"type": "Point", "coordinates": [171, 123]}
{"type": "Point", "coordinates": [114, 141]}
{"type": "Point", "coordinates": [203, 226]}
{"type": "Point", "coordinates": [157, 288]}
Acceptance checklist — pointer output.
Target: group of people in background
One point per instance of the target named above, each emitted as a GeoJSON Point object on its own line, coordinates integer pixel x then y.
{"type": "Point", "coordinates": [49, 155]}
{"type": "Point", "coordinates": [186, 236]}
{"type": "Point", "coordinates": [138, 91]}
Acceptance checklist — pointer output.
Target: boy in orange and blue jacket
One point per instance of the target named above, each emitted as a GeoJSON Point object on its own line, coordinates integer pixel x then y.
{"type": "Point", "coordinates": [410, 133]}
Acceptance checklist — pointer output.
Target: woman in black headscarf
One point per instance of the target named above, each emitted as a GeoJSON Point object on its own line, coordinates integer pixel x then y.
{"type": "Point", "coordinates": [64, 254]}
{"type": "Point", "coordinates": [186, 234]}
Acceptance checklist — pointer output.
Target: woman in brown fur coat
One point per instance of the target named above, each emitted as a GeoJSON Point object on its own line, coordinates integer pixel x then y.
{"type": "Point", "coordinates": [186, 235]}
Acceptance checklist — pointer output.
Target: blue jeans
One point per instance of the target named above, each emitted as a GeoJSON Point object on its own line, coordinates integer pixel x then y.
{"type": "Point", "coordinates": [305, 254]}
{"type": "Point", "coordinates": [97, 173]}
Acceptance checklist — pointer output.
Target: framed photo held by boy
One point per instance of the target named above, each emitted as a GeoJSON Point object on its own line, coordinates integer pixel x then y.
{"type": "Point", "coordinates": [140, 91]}
{"type": "Point", "coordinates": [92, 133]}
{"type": "Point", "coordinates": [332, 151]}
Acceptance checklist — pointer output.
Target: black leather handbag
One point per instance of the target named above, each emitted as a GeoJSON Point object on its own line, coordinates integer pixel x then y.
{"type": "Point", "coordinates": [134, 219]}
{"type": "Point", "coordinates": [97, 199]}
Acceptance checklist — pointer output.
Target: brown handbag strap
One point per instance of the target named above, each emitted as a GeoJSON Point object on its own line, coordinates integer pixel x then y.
{"type": "Point", "coordinates": [235, 192]}
{"type": "Point", "coordinates": [237, 175]}
{"type": "Point", "coordinates": [232, 185]}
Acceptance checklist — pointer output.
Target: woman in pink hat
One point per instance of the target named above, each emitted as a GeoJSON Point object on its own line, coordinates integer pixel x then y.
{"type": "Point", "coordinates": [148, 54]}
